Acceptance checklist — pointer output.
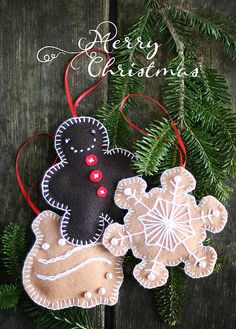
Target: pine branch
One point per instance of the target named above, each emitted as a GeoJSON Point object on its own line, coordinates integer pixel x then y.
{"type": "Point", "coordinates": [129, 263]}
{"type": "Point", "coordinates": [153, 148]}
{"type": "Point", "coordinates": [13, 249]}
{"type": "Point", "coordinates": [220, 259]}
{"type": "Point", "coordinates": [71, 318]}
{"type": "Point", "coordinates": [170, 298]}
{"type": "Point", "coordinates": [180, 48]}
{"type": "Point", "coordinates": [9, 296]}
{"type": "Point", "coordinates": [207, 22]}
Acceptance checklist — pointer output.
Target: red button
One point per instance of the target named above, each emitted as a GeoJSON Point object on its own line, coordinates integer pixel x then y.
{"type": "Point", "coordinates": [91, 160]}
{"type": "Point", "coordinates": [102, 192]}
{"type": "Point", "coordinates": [95, 176]}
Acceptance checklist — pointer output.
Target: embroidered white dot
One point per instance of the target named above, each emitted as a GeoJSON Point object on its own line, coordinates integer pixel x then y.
{"type": "Point", "coordinates": [127, 191]}
{"type": "Point", "coordinates": [88, 295]}
{"type": "Point", "coordinates": [151, 276]}
{"type": "Point", "coordinates": [45, 246]}
{"type": "Point", "coordinates": [109, 276]}
{"type": "Point", "coordinates": [101, 291]}
{"type": "Point", "coordinates": [61, 242]}
{"type": "Point", "coordinates": [114, 242]}
{"type": "Point", "coordinates": [177, 179]}
{"type": "Point", "coordinates": [202, 264]}
{"type": "Point", "coordinates": [216, 212]}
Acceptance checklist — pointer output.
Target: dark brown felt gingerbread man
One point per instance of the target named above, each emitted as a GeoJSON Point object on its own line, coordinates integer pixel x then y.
{"type": "Point", "coordinates": [83, 183]}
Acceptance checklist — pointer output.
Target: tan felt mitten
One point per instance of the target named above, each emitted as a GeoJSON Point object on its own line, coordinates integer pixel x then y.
{"type": "Point", "coordinates": [58, 275]}
{"type": "Point", "coordinates": [165, 227]}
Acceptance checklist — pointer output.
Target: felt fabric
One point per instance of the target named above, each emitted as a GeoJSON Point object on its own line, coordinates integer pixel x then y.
{"type": "Point", "coordinates": [165, 227]}
{"type": "Point", "coordinates": [58, 275]}
{"type": "Point", "coordinates": [83, 183]}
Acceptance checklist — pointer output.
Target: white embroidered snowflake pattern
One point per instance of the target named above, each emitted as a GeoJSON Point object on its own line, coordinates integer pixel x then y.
{"type": "Point", "coordinates": [167, 224]}
{"type": "Point", "coordinates": [165, 227]}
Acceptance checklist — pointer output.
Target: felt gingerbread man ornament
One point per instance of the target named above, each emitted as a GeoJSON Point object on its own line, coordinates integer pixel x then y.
{"type": "Point", "coordinates": [83, 183]}
{"type": "Point", "coordinates": [165, 226]}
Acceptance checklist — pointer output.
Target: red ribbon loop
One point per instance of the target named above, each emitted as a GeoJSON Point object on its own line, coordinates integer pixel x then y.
{"type": "Point", "coordinates": [26, 194]}
{"type": "Point", "coordinates": [181, 147]}
{"type": "Point", "coordinates": [87, 91]}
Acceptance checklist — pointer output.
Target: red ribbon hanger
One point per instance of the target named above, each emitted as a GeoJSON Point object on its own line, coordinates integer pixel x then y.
{"type": "Point", "coordinates": [181, 148]}
{"type": "Point", "coordinates": [26, 194]}
{"type": "Point", "coordinates": [87, 91]}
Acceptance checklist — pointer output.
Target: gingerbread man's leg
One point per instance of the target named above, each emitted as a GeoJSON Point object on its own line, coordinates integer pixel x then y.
{"type": "Point", "coordinates": [151, 275]}
{"type": "Point", "coordinates": [116, 240]}
{"type": "Point", "coordinates": [201, 263]}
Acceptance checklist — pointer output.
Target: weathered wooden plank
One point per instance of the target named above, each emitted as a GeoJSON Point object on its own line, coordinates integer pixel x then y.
{"type": "Point", "coordinates": [33, 98]}
{"type": "Point", "coordinates": [211, 302]}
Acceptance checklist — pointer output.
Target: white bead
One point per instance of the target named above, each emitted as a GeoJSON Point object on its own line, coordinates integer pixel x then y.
{"type": "Point", "coordinates": [177, 179]}
{"type": "Point", "coordinates": [61, 242]}
{"type": "Point", "coordinates": [127, 191]}
{"type": "Point", "coordinates": [114, 241]}
{"type": "Point", "coordinates": [151, 277]}
{"type": "Point", "coordinates": [88, 148]}
{"type": "Point", "coordinates": [101, 291]}
{"type": "Point", "coordinates": [88, 295]}
{"type": "Point", "coordinates": [216, 212]}
{"type": "Point", "coordinates": [202, 264]}
{"type": "Point", "coordinates": [46, 246]}
{"type": "Point", "coordinates": [75, 151]}
{"type": "Point", "coordinates": [109, 276]}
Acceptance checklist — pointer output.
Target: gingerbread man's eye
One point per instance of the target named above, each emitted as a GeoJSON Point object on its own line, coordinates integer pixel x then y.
{"type": "Point", "coordinates": [93, 132]}
{"type": "Point", "coordinates": [67, 140]}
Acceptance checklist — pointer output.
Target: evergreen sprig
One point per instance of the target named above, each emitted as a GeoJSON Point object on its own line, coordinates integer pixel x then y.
{"type": "Point", "coordinates": [13, 249]}
{"type": "Point", "coordinates": [154, 148]}
{"type": "Point", "coordinates": [170, 297]}
{"type": "Point", "coordinates": [129, 263]}
{"type": "Point", "coordinates": [71, 318]}
{"type": "Point", "coordinates": [9, 296]}
{"type": "Point", "coordinates": [207, 22]}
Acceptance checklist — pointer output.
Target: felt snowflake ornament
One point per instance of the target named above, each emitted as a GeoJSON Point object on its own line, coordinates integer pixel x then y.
{"type": "Point", "coordinates": [83, 183]}
{"type": "Point", "coordinates": [58, 275]}
{"type": "Point", "coordinates": [165, 227]}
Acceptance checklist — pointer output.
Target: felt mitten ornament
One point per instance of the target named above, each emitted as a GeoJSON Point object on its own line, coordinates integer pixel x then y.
{"type": "Point", "coordinates": [165, 226]}
{"type": "Point", "coordinates": [57, 275]}
{"type": "Point", "coordinates": [83, 183]}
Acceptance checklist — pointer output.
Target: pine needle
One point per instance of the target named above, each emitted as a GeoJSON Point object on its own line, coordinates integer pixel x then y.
{"type": "Point", "coordinates": [70, 318]}
{"type": "Point", "coordinates": [13, 249]}
{"type": "Point", "coordinates": [170, 298]}
{"type": "Point", "coordinates": [9, 296]}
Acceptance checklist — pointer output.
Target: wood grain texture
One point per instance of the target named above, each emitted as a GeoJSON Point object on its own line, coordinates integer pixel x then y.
{"type": "Point", "coordinates": [211, 302]}
{"type": "Point", "coordinates": [33, 99]}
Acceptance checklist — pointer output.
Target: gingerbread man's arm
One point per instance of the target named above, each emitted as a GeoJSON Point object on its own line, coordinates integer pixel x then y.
{"type": "Point", "coordinates": [53, 185]}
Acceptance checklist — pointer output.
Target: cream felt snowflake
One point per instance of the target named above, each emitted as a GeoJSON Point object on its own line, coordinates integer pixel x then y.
{"type": "Point", "coordinates": [165, 227]}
